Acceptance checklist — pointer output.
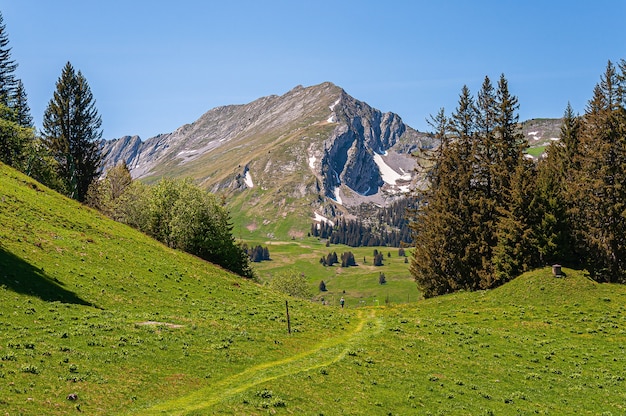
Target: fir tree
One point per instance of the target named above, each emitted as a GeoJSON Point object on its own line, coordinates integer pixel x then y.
{"type": "Point", "coordinates": [20, 106]}
{"type": "Point", "coordinates": [71, 130]}
{"type": "Point", "coordinates": [597, 193]}
{"type": "Point", "coordinates": [7, 67]}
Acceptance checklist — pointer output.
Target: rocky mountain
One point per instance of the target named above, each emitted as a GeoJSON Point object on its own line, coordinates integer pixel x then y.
{"type": "Point", "coordinates": [314, 151]}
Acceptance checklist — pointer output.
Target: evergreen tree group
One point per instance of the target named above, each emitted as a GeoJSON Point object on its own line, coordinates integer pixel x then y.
{"type": "Point", "coordinates": [258, 253]}
{"type": "Point", "coordinates": [491, 213]}
{"type": "Point", "coordinates": [17, 136]}
{"type": "Point", "coordinates": [391, 228]}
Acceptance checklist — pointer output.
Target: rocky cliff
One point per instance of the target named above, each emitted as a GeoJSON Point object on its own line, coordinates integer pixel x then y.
{"type": "Point", "coordinates": [316, 142]}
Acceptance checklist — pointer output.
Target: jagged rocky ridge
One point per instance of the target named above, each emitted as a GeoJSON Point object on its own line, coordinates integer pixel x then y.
{"type": "Point", "coordinates": [354, 153]}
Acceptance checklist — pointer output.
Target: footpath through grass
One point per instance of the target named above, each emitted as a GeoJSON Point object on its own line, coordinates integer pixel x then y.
{"type": "Point", "coordinates": [94, 309]}
{"type": "Point", "coordinates": [326, 353]}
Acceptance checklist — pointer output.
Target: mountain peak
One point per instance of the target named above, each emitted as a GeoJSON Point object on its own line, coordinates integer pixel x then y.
{"type": "Point", "coordinates": [312, 146]}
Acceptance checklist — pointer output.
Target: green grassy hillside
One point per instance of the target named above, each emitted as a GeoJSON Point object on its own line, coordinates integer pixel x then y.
{"type": "Point", "coordinates": [92, 308]}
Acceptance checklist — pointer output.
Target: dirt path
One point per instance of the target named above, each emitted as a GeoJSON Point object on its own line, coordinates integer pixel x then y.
{"type": "Point", "coordinates": [324, 354]}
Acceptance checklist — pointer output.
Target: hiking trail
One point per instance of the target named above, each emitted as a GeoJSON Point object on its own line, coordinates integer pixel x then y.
{"type": "Point", "coordinates": [324, 354]}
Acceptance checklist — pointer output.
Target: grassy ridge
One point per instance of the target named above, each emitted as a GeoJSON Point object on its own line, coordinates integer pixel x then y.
{"type": "Point", "coordinates": [91, 307]}
{"type": "Point", "coordinates": [538, 345]}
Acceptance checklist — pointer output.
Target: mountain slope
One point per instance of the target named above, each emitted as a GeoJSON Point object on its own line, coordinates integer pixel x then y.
{"type": "Point", "coordinates": [94, 308]}
{"type": "Point", "coordinates": [96, 318]}
{"type": "Point", "coordinates": [311, 150]}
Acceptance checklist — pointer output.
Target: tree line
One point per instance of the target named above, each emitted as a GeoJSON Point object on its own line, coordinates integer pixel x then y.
{"type": "Point", "coordinates": [390, 228]}
{"type": "Point", "coordinates": [66, 156]}
{"type": "Point", "coordinates": [491, 212]}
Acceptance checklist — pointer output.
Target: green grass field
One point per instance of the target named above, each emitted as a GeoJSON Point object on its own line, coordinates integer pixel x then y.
{"type": "Point", "coordinates": [93, 308]}
{"type": "Point", "coordinates": [358, 285]}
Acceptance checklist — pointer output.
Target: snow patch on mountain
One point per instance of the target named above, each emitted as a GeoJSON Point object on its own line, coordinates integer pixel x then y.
{"type": "Point", "coordinates": [247, 178]}
{"type": "Point", "coordinates": [321, 218]}
{"type": "Point", "coordinates": [389, 175]}
{"type": "Point", "coordinates": [337, 196]}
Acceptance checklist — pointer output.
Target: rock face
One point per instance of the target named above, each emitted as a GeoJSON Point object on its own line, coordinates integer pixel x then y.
{"type": "Point", "coordinates": [316, 143]}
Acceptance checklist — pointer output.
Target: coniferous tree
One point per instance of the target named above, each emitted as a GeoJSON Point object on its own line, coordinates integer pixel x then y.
{"type": "Point", "coordinates": [472, 180]}
{"type": "Point", "coordinates": [16, 132]}
{"type": "Point", "coordinates": [553, 230]}
{"type": "Point", "coordinates": [71, 131]}
{"type": "Point", "coordinates": [596, 192]}
{"type": "Point", "coordinates": [7, 67]}
{"type": "Point", "coordinates": [20, 106]}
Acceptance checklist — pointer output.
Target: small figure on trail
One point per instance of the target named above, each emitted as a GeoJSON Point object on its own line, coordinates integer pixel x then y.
{"type": "Point", "coordinates": [342, 301]}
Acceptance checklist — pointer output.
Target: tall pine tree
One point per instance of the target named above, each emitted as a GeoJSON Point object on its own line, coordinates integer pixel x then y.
{"type": "Point", "coordinates": [597, 191]}
{"type": "Point", "coordinates": [71, 131]}
{"type": "Point", "coordinates": [478, 172]}
{"type": "Point", "coordinates": [7, 67]}
{"type": "Point", "coordinates": [16, 133]}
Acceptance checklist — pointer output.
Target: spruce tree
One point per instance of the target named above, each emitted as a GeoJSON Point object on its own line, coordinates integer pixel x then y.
{"type": "Point", "coordinates": [553, 230]}
{"type": "Point", "coordinates": [7, 67]}
{"type": "Point", "coordinates": [71, 131]}
{"type": "Point", "coordinates": [20, 106]}
{"type": "Point", "coordinates": [597, 192]}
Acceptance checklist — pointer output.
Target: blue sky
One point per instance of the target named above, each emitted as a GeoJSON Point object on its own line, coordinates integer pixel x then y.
{"type": "Point", "coordinates": [156, 65]}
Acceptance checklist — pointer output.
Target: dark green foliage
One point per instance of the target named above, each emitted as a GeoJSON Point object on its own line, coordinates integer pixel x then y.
{"type": "Point", "coordinates": [7, 67]}
{"type": "Point", "coordinates": [322, 286]}
{"type": "Point", "coordinates": [258, 253]}
{"type": "Point", "coordinates": [553, 229]}
{"type": "Point", "coordinates": [347, 259]}
{"type": "Point", "coordinates": [20, 106]}
{"type": "Point", "coordinates": [378, 258]}
{"type": "Point", "coordinates": [16, 132]}
{"type": "Point", "coordinates": [472, 177]}
{"type": "Point", "coordinates": [390, 227]}
{"type": "Point", "coordinates": [596, 192]}
{"type": "Point", "coordinates": [490, 215]}
{"type": "Point", "coordinates": [71, 132]}
{"type": "Point", "coordinates": [331, 259]}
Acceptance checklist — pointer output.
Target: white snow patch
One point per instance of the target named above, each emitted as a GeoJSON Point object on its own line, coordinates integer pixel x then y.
{"type": "Point", "coordinates": [337, 196]}
{"type": "Point", "coordinates": [312, 160]}
{"type": "Point", "coordinates": [186, 152]}
{"type": "Point", "coordinates": [247, 178]}
{"type": "Point", "coordinates": [321, 218]}
{"type": "Point", "coordinates": [331, 119]}
{"type": "Point", "coordinates": [533, 133]}
{"type": "Point", "coordinates": [389, 175]}
{"type": "Point", "coordinates": [554, 139]}
{"type": "Point", "coordinates": [332, 107]}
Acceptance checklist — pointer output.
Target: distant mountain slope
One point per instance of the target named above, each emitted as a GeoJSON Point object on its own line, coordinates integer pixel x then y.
{"type": "Point", "coordinates": [314, 146]}
{"type": "Point", "coordinates": [312, 153]}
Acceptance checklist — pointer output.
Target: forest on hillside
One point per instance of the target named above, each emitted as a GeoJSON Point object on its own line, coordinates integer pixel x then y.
{"type": "Point", "coordinates": [491, 213]}
{"type": "Point", "coordinates": [385, 226]}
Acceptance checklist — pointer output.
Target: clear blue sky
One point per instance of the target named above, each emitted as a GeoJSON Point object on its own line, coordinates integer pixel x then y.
{"type": "Point", "coordinates": [156, 65]}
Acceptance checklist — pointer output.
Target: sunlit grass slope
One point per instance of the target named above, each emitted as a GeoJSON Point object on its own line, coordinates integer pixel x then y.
{"type": "Point", "coordinates": [93, 308]}
{"type": "Point", "coordinates": [538, 345]}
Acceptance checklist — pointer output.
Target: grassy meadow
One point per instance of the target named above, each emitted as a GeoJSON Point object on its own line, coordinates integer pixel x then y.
{"type": "Point", "coordinates": [359, 284]}
{"type": "Point", "coordinates": [96, 318]}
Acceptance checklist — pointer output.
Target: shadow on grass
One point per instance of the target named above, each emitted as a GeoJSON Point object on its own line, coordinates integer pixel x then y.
{"type": "Point", "coordinates": [21, 277]}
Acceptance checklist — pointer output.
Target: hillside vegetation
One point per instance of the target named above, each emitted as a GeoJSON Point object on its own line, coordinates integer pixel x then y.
{"type": "Point", "coordinates": [92, 308]}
